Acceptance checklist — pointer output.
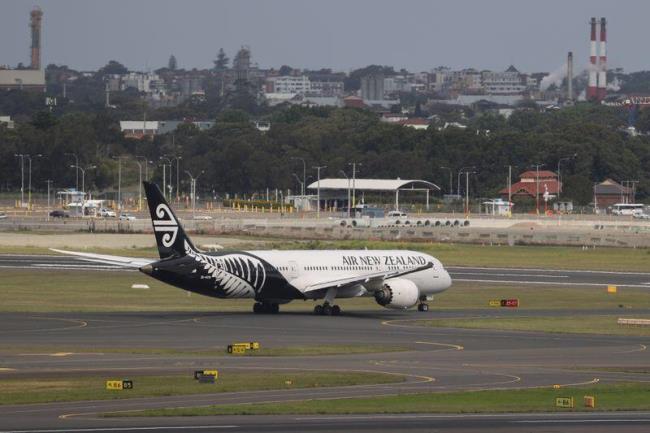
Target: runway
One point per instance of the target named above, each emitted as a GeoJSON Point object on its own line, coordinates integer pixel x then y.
{"type": "Point", "coordinates": [520, 276]}
{"type": "Point", "coordinates": [435, 360]}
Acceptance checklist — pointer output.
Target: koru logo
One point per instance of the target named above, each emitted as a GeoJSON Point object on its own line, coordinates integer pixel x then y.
{"type": "Point", "coordinates": [165, 223]}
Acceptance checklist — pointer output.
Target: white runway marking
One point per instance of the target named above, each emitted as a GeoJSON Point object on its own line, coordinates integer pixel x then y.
{"type": "Point", "coordinates": [510, 275]}
{"type": "Point", "coordinates": [558, 283]}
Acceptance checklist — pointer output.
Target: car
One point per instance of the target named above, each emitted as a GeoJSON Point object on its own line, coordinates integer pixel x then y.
{"type": "Point", "coordinates": [396, 214]}
{"type": "Point", "coordinates": [106, 213]}
{"type": "Point", "coordinates": [202, 217]}
{"type": "Point", "coordinates": [59, 214]}
{"type": "Point", "coordinates": [127, 217]}
{"type": "Point", "coordinates": [641, 216]}
{"type": "Point", "coordinates": [3, 215]}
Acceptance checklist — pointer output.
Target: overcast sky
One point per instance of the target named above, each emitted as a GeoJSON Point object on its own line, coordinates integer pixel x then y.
{"type": "Point", "coordinates": [342, 34]}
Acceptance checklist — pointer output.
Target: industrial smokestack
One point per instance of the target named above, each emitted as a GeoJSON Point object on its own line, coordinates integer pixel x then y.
{"type": "Point", "coordinates": [592, 86]}
{"type": "Point", "coordinates": [569, 76]}
{"type": "Point", "coordinates": [602, 63]}
{"type": "Point", "coordinates": [35, 24]}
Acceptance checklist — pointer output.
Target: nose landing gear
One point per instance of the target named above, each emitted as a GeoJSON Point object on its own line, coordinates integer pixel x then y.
{"type": "Point", "coordinates": [423, 307]}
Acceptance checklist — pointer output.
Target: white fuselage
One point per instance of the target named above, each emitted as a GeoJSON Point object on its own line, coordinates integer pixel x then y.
{"type": "Point", "coordinates": [304, 267]}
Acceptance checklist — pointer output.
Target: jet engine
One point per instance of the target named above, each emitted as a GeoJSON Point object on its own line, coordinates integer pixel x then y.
{"type": "Point", "coordinates": [398, 294]}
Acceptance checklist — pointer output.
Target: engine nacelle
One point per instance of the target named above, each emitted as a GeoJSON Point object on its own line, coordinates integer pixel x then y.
{"type": "Point", "coordinates": [398, 294]}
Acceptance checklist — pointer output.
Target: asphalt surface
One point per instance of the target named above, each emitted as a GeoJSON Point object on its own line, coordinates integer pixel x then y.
{"type": "Point", "coordinates": [467, 274]}
{"type": "Point", "coordinates": [437, 359]}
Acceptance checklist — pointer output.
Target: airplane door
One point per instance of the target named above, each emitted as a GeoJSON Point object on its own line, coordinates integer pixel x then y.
{"type": "Point", "coordinates": [293, 269]}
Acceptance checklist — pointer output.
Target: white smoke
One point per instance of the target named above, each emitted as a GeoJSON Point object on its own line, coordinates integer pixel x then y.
{"type": "Point", "coordinates": [556, 77]}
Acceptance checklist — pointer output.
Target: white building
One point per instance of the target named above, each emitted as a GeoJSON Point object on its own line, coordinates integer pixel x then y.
{"type": "Point", "coordinates": [7, 120]}
{"type": "Point", "coordinates": [509, 82]}
{"type": "Point", "coordinates": [288, 84]}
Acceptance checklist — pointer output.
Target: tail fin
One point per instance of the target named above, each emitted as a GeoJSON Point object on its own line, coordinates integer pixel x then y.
{"type": "Point", "coordinates": [170, 236]}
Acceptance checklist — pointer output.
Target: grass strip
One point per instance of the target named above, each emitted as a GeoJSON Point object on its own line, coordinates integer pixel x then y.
{"type": "Point", "coordinates": [37, 390]}
{"type": "Point", "coordinates": [608, 398]}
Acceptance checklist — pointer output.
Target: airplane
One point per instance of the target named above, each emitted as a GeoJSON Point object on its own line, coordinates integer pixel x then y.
{"type": "Point", "coordinates": [397, 279]}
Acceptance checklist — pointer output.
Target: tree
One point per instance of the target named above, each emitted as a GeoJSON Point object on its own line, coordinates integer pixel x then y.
{"type": "Point", "coordinates": [285, 70]}
{"type": "Point", "coordinates": [112, 67]}
{"type": "Point", "coordinates": [221, 63]}
{"type": "Point", "coordinates": [172, 64]}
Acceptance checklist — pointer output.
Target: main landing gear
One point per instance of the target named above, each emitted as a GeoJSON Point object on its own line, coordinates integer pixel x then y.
{"type": "Point", "coordinates": [327, 310]}
{"type": "Point", "coordinates": [265, 308]}
{"type": "Point", "coordinates": [423, 306]}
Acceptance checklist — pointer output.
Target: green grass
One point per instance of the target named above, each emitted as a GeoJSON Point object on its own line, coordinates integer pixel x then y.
{"type": "Point", "coordinates": [42, 390]}
{"type": "Point", "coordinates": [43, 291]}
{"type": "Point", "coordinates": [608, 398]}
{"type": "Point", "coordinates": [612, 259]}
{"type": "Point", "coordinates": [584, 324]}
{"type": "Point", "coordinates": [318, 350]}
{"type": "Point", "coordinates": [129, 252]}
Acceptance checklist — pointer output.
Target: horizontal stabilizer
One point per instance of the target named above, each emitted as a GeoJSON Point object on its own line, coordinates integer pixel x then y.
{"type": "Point", "coordinates": [124, 262]}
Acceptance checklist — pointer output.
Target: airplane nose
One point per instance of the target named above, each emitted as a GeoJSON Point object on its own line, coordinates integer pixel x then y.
{"type": "Point", "coordinates": [147, 269]}
{"type": "Point", "coordinates": [445, 280]}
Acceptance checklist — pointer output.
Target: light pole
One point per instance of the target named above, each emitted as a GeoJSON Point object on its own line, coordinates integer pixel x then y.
{"type": "Point", "coordinates": [559, 177]}
{"type": "Point", "coordinates": [537, 166]}
{"type": "Point", "coordinates": [119, 183]}
{"type": "Point", "coordinates": [451, 181]}
{"type": "Point", "coordinates": [177, 159]}
{"type": "Point", "coordinates": [146, 166]}
{"type": "Point", "coordinates": [139, 183]}
{"type": "Point", "coordinates": [49, 184]}
{"type": "Point", "coordinates": [29, 188]}
{"type": "Point", "coordinates": [22, 177]}
{"type": "Point", "coordinates": [304, 173]}
{"type": "Point", "coordinates": [346, 176]}
{"type": "Point", "coordinates": [354, 181]}
{"type": "Point", "coordinates": [193, 189]}
{"type": "Point", "coordinates": [83, 176]}
{"type": "Point", "coordinates": [467, 173]}
{"type": "Point", "coordinates": [300, 182]}
{"type": "Point", "coordinates": [318, 169]}
{"type": "Point", "coordinates": [169, 162]}
{"type": "Point", "coordinates": [76, 161]}
{"type": "Point", "coordinates": [460, 173]}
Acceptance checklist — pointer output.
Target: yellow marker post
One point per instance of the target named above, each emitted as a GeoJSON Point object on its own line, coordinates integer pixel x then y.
{"type": "Point", "coordinates": [611, 289]}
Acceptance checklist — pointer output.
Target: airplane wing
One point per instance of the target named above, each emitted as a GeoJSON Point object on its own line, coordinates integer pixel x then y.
{"type": "Point", "coordinates": [123, 262]}
{"type": "Point", "coordinates": [367, 280]}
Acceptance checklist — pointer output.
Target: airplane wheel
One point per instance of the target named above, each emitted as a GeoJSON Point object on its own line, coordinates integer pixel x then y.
{"type": "Point", "coordinates": [318, 310]}
{"type": "Point", "coordinates": [257, 308]}
{"type": "Point", "coordinates": [274, 308]}
{"type": "Point", "coordinates": [336, 310]}
{"type": "Point", "coordinates": [423, 307]}
{"type": "Point", "coordinates": [327, 310]}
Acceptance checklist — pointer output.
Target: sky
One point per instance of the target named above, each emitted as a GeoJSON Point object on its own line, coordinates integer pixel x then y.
{"type": "Point", "coordinates": [343, 35]}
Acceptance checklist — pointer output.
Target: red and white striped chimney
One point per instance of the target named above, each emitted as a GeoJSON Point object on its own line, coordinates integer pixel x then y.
{"type": "Point", "coordinates": [602, 62]}
{"type": "Point", "coordinates": [592, 86]}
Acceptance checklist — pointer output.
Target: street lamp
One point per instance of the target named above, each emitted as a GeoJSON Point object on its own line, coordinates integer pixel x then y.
{"type": "Point", "coordinates": [300, 182]}
{"type": "Point", "coordinates": [169, 162]}
{"type": "Point", "coordinates": [460, 173]}
{"type": "Point", "coordinates": [354, 181]}
{"type": "Point", "coordinates": [22, 177]}
{"type": "Point", "coordinates": [346, 176]}
{"type": "Point", "coordinates": [318, 169]}
{"type": "Point", "coordinates": [559, 177]}
{"type": "Point", "coordinates": [177, 159]}
{"type": "Point", "coordinates": [193, 189]}
{"type": "Point", "coordinates": [467, 173]}
{"type": "Point", "coordinates": [83, 176]}
{"type": "Point", "coordinates": [304, 172]}
{"type": "Point", "coordinates": [451, 181]}
{"type": "Point", "coordinates": [119, 182]}
{"type": "Point", "coordinates": [537, 166]}
{"type": "Point", "coordinates": [146, 166]}
{"type": "Point", "coordinates": [76, 161]}
{"type": "Point", "coordinates": [29, 188]}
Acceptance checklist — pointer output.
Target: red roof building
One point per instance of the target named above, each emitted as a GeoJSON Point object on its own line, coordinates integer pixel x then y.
{"type": "Point", "coordinates": [532, 183]}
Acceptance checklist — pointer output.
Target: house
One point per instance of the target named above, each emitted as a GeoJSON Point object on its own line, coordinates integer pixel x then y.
{"type": "Point", "coordinates": [609, 192]}
{"type": "Point", "coordinates": [534, 184]}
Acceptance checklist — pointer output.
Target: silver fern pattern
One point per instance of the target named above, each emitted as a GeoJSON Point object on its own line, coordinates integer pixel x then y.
{"type": "Point", "coordinates": [238, 275]}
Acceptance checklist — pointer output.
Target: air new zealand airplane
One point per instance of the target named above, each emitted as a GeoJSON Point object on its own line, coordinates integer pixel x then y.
{"type": "Point", "coordinates": [397, 279]}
